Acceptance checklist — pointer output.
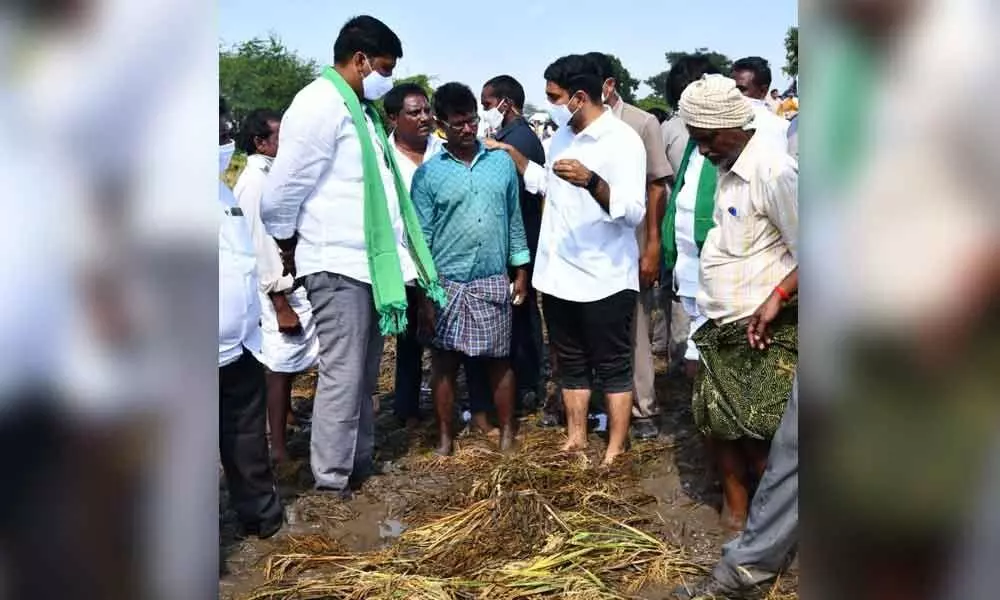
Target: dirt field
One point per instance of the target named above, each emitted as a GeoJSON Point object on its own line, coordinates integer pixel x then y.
{"type": "Point", "coordinates": [400, 536]}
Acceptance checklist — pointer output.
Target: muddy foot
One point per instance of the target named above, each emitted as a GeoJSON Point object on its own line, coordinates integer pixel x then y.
{"type": "Point", "coordinates": [574, 446]}
{"type": "Point", "coordinates": [508, 442]}
{"type": "Point", "coordinates": [445, 448]}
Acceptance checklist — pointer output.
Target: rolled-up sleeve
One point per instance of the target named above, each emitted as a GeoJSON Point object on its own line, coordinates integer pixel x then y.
{"type": "Point", "coordinates": [306, 145]}
{"type": "Point", "coordinates": [535, 178]}
{"type": "Point", "coordinates": [781, 205]}
{"type": "Point", "coordinates": [248, 192]}
{"type": "Point", "coordinates": [423, 204]}
{"type": "Point", "coordinates": [518, 241]}
{"type": "Point", "coordinates": [626, 178]}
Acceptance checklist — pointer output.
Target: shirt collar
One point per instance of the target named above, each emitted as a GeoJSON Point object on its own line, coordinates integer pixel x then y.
{"type": "Point", "coordinates": [260, 161]}
{"type": "Point", "coordinates": [745, 164]}
{"type": "Point", "coordinates": [446, 154]}
{"type": "Point", "coordinates": [506, 130]}
{"type": "Point", "coordinates": [618, 108]}
{"type": "Point", "coordinates": [600, 126]}
{"type": "Point", "coordinates": [433, 144]}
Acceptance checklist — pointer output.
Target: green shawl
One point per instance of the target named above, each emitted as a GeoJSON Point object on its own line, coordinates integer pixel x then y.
{"type": "Point", "coordinates": [388, 287]}
{"type": "Point", "coordinates": [703, 209]}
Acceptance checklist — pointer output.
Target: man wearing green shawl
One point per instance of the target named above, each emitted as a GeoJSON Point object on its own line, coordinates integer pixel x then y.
{"type": "Point", "coordinates": [342, 216]}
{"type": "Point", "coordinates": [749, 274]}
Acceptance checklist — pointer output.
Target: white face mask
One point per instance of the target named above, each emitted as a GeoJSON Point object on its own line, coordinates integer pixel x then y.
{"type": "Point", "coordinates": [493, 117]}
{"type": "Point", "coordinates": [226, 156]}
{"type": "Point", "coordinates": [375, 85]}
{"type": "Point", "coordinates": [561, 114]}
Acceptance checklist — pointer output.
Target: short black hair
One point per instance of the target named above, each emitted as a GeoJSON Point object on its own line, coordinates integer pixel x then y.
{"type": "Point", "coordinates": [760, 68]}
{"type": "Point", "coordinates": [575, 73]}
{"type": "Point", "coordinates": [685, 71]}
{"type": "Point", "coordinates": [256, 124]}
{"type": "Point", "coordinates": [605, 69]}
{"type": "Point", "coordinates": [505, 86]}
{"type": "Point", "coordinates": [454, 99]}
{"type": "Point", "coordinates": [369, 36]}
{"type": "Point", "coordinates": [393, 101]}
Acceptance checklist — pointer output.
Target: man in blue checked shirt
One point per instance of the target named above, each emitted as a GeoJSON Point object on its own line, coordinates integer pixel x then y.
{"type": "Point", "coordinates": [467, 200]}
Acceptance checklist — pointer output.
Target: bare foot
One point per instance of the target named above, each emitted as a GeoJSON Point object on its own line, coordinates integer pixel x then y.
{"type": "Point", "coordinates": [279, 455]}
{"type": "Point", "coordinates": [610, 456]}
{"type": "Point", "coordinates": [572, 445]}
{"type": "Point", "coordinates": [446, 447]}
{"type": "Point", "coordinates": [733, 522]}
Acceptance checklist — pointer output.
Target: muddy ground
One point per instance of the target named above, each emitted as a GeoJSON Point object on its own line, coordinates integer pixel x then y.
{"type": "Point", "coordinates": [683, 496]}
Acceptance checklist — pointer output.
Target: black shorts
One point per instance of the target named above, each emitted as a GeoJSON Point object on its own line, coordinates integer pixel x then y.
{"type": "Point", "coordinates": [593, 338]}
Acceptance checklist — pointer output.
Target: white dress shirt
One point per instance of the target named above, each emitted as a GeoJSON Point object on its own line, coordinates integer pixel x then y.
{"type": "Point", "coordinates": [281, 353]}
{"type": "Point", "coordinates": [407, 168]}
{"type": "Point", "coordinates": [770, 125]}
{"type": "Point", "coordinates": [686, 267]}
{"type": "Point", "coordinates": [316, 187]}
{"type": "Point", "coordinates": [239, 306]}
{"type": "Point", "coordinates": [584, 253]}
{"type": "Point", "coordinates": [754, 244]}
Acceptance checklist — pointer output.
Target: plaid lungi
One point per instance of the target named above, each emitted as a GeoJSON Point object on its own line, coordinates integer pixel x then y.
{"type": "Point", "coordinates": [477, 319]}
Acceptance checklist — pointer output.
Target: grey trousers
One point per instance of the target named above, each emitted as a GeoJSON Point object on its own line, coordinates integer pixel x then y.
{"type": "Point", "coordinates": [644, 404]}
{"type": "Point", "coordinates": [765, 547]}
{"type": "Point", "coordinates": [350, 348]}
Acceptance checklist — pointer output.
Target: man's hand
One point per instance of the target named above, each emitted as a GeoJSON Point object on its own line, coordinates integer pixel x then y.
{"type": "Point", "coordinates": [649, 265]}
{"type": "Point", "coordinates": [520, 287]}
{"type": "Point", "coordinates": [287, 248]}
{"type": "Point", "coordinates": [494, 144]}
{"type": "Point", "coordinates": [426, 319]}
{"type": "Point", "coordinates": [572, 171]}
{"type": "Point", "coordinates": [288, 319]}
{"type": "Point", "coordinates": [758, 333]}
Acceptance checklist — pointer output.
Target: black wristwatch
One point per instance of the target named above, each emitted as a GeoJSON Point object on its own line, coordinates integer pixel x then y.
{"type": "Point", "coordinates": [592, 182]}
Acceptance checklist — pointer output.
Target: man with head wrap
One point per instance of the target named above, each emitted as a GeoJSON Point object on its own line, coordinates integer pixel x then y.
{"type": "Point", "coordinates": [747, 288]}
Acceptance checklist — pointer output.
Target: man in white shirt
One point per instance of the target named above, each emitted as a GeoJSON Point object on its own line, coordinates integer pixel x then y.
{"type": "Point", "coordinates": [747, 291]}
{"type": "Point", "coordinates": [753, 78]}
{"type": "Point", "coordinates": [413, 142]}
{"type": "Point", "coordinates": [314, 206]}
{"type": "Point", "coordinates": [242, 408]}
{"type": "Point", "coordinates": [289, 345]}
{"type": "Point", "coordinates": [588, 257]}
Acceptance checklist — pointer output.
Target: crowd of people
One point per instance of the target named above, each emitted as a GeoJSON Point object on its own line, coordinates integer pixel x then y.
{"type": "Point", "coordinates": [343, 230]}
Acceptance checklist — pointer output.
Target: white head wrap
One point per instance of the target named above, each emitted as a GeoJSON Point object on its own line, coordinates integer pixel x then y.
{"type": "Point", "coordinates": [714, 102]}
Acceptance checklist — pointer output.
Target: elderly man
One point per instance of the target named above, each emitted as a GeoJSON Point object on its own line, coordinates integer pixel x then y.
{"type": "Point", "coordinates": [749, 274]}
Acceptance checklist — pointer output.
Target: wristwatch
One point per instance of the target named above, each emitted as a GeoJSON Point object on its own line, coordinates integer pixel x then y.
{"type": "Point", "coordinates": [592, 182]}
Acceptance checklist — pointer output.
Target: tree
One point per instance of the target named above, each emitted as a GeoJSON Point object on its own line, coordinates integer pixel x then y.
{"type": "Point", "coordinates": [420, 79]}
{"type": "Point", "coordinates": [262, 73]}
{"type": "Point", "coordinates": [627, 85]}
{"type": "Point", "coordinates": [659, 81]}
{"type": "Point", "coordinates": [530, 109]}
{"type": "Point", "coordinates": [653, 101]}
{"type": "Point", "coordinates": [792, 53]}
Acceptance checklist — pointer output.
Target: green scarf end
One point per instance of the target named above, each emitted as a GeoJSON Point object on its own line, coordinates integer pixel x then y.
{"type": "Point", "coordinates": [392, 319]}
{"type": "Point", "coordinates": [436, 293]}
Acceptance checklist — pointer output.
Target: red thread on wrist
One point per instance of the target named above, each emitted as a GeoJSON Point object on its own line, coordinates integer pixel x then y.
{"type": "Point", "coordinates": [785, 296]}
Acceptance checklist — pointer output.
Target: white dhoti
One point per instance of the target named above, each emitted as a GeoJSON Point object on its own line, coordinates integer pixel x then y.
{"type": "Point", "coordinates": [289, 353]}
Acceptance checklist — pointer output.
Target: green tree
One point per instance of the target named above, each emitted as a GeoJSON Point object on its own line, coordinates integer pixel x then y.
{"type": "Point", "coordinates": [420, 79]}
{"type": "Point", "coordinates": [792, 53]}
{"type": "Point", "coordinates": [627, 85]}
{"type": "Point", "coordinates": [262, 73]}
{"type": "Point", "coordinates": [659, 81]}
{"type": "Point", "coordinates": [652, 101]}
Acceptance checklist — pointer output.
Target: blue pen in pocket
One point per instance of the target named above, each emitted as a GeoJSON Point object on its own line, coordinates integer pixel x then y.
{"type": "Point", "coordinates": [732, 210]}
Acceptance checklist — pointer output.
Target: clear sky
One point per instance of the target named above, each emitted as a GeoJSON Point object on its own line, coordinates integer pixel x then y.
{"type": "Point", "coordinates": [472, 42]}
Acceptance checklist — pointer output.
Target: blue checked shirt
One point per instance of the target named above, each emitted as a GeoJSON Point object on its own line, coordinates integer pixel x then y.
{"type": "Point", "coordinates": [471, 215]}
